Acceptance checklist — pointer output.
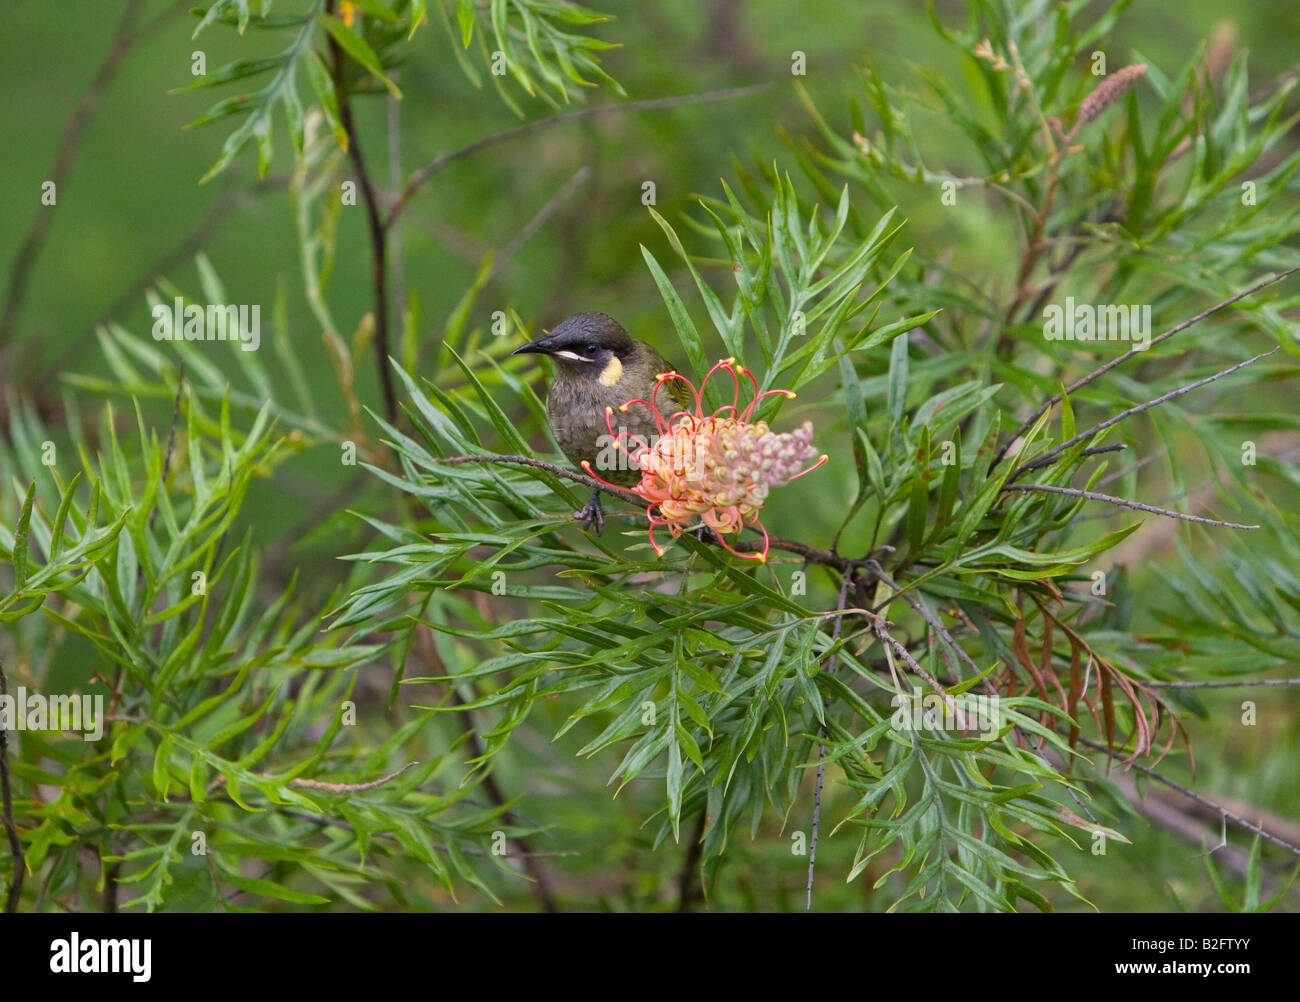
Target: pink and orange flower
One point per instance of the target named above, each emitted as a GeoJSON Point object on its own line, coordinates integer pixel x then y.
{"type": "Point", "coordinates": [716, 468]}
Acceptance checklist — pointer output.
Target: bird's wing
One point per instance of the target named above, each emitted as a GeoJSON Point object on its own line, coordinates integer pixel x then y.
{"type": "Point", "coordinates": [677, 390]}
{"type": "Point", "coordinates": [681, 395]}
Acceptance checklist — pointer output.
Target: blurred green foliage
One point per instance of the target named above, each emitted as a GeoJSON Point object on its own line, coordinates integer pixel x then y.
{"type": "Point", "coordinates": [464, 250]}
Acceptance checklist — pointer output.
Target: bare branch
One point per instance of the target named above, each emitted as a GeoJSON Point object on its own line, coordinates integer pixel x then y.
{"type": "Point", "coordinates": [7, 815]}
{"type": "Point", "coordinates": [1138, 409]}
{"type": "Point", "coordinates": [123, 38]}
{"type": "Point", "coordinates": [315, 784]}
{"type": "Point", "coordinates": [1035, 464]}
{"type": "Point", "coordinates": [1236, 819]}
{"type": "Point", "coordinates": [417, 180]}
{"type": "Point", "coordinates": [1055, 398]}
{"type": "Point", "coordinates": [1244, 683]}
{"type": "Point", "coordinates": [543, 214]}
{"type": "Point", "coordinates": [1125, 503]}
{"type": "Point", "coordinates": [377, 228]}
{"type": "Point", "coordinates": [831, 664]}
{"type": "Point", "coordinates": [875, 568]}
{"type": "Point", "coordinates": [810, 553]}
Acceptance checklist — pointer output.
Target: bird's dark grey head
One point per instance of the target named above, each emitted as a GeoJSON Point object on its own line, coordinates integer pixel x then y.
{"type": "Point", "coordinates": [584, 341]}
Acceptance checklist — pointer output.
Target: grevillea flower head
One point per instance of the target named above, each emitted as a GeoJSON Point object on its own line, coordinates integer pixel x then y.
{"type": "Point", "coordinates": [712, 470]}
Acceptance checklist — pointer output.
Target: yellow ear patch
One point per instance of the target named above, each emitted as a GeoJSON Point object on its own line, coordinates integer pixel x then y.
{"type": "Point", "coordinates": [612, 373]}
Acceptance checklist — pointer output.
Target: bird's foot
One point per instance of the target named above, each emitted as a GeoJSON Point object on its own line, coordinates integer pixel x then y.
{"type": "Point", "coordinates": [592, 516]}
{"type": "Point", "coordinates": [705, 535]}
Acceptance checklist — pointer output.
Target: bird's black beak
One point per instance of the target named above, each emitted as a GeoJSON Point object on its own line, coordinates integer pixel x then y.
{"type": "Point", "coordinates": [532, 348]}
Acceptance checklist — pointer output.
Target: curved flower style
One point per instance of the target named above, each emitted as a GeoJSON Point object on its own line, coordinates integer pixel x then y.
{"type": "Point", "coordinates": [718, 468]}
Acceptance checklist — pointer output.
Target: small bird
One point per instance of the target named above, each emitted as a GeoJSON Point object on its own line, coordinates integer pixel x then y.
{"type": "Point", "coordinates": [598, 365]}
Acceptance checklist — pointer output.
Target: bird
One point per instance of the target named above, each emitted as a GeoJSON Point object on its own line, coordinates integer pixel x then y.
{"type": "Point", "coordinates": [598, 366]}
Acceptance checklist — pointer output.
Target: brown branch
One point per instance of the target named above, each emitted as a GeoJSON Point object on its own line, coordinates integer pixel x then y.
{"type": "Point", "coordinates": [417, 179]}
{"type": "Point", "coordinates": [1101, 450]}
{"type": "Point", "coordinates": [377, 228]}
{"type": "Point", "coordinates": [1110, 90]}
{"type": "Point", "coordinates": [875, 569]}
{"type": "Point", "coordinates": [688, 892]}
{"type": "Point", "coordinates": [11, 827]}
{"type": "Point", "coordinates": [888, 640]}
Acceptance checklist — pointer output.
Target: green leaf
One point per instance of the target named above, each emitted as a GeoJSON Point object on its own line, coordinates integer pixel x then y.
{"type": "Point", "coordinates": [465, 17]}
{"type": "Point", "coordinates": [359, 49]}
{"type": "Point", "coordinates": [21, 535]}
{"type": "Point", "coordinates": [682, 322]}
{"type": "Point", "coordinates": [270, 889]}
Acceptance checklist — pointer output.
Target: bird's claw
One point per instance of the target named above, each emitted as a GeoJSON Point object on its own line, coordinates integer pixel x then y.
{"type": "Point", "coordinates": [705, 535]}
{"type": "Point", "coordinates": [591, 516]}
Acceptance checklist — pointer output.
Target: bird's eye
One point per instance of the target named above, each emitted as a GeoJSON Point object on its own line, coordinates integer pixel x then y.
{"type": "Point", "coordinates": [591, 350]}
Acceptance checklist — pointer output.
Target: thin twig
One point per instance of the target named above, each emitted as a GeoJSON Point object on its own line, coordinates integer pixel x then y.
{"type": "Point", "coordinates": [1203, 801]}
{"type": "Point", "coordinates": [1139, 408]}
{"type": "Point", "coordinates": [377, 228]}
{"type": "Point", "coordinates": [1055, 398]}
{"type": "Point", "coordinates": [1100, 450]}
{"type": "Point", "coordinates": [316, 784]}
{"type": "Point", "coordinates": [11, 826]}
{"type": "Point", "coordinates": [422, 175]}
{"type": "Point", "coordinates": [688, 892]}
{"type": "Point", "coordinates": [887, 639]}
{"type": "Point", "coordinates": [1223, 685]}
{"type": "Point", "coordinates": [879, 572]}
{"type": "Point", "coordinates": [1075, 492]}
{"type": "Point", "coordinates": [831, 665]}
{"type": "Point", "coordinates": [180, 252]}
{"type": "Point", "coordinates": [124, 38]}
{"type": "Point", "coordinates": [539, 219]}
{"type": "Point", "coordinates": [811, 553]}
{"type": "Point", "coordinates": [1106, 93]}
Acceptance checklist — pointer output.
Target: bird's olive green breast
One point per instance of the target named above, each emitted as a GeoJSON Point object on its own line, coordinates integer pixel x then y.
{"type": "Point", "coordinates": [575, 407]}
